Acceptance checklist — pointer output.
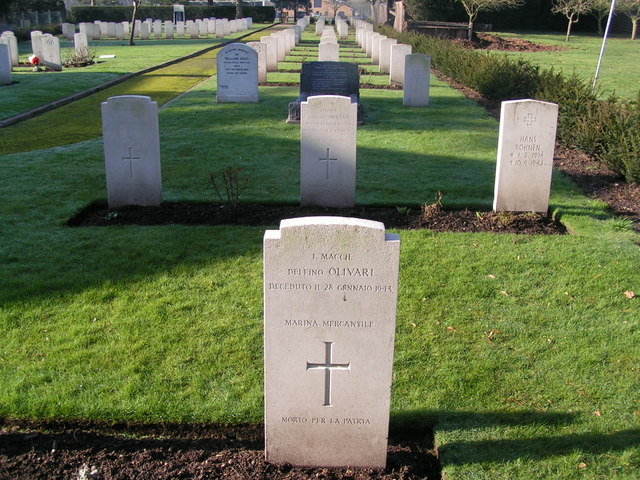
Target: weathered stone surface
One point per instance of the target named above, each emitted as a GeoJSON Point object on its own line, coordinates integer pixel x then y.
{"type": "Point", "coordinates": [385, 54]}
{"type": "Point", "coordinates": [261, 49]}
{"type": "Point", "coordinates": [417, 79]}
{"type": "Point", "coordinates": [525, 156]}
{"type": "Point", "coordinates": [237, 74]}
{"type": "Point", "coordinates": [328, 52]}
{"type": "Point", "coordinates": [398, 54]}
{"type": "Point", "coordinates": [328, 129]}
{"type": "Point", "coordinates": [132, 151]}
{"type": "Point", "coordinates": [330, 294]}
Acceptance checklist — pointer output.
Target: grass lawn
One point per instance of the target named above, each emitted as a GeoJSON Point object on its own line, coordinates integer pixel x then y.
{"type": "Point", "coordinates": [620, 71]}
{"type": "Point", "coordinates": [520, 351]}
{"type": "Point", "coordinates": [32, 89]}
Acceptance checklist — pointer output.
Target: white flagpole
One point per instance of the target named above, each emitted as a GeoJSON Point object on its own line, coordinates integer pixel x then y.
{"type": "Point", "coordinates": [604, 43]}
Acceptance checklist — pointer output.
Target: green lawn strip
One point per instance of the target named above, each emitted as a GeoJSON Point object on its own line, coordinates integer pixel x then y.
{"type": "Point", "coordinates": [33, 89]}
{"type": "Point", "coordinates": [81, 120]}
{"type": "Point", "coordinates": [620, 72]}
{"type": "Point", "coordinates": [507, 344]}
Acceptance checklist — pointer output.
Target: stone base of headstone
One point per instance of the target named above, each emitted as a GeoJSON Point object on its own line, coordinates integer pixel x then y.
{"type": "Point", "coordinates": [294, 109]}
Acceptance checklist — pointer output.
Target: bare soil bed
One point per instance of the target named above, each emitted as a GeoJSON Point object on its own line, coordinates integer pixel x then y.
{"type": "Point", "coordinates": [432, 217]}
{"type": "Point", "coordinates": [487, 41]}
{"type": "Point", "coordinates": [75, 450]}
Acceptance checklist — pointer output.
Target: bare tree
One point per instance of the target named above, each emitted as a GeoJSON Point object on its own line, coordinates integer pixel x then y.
{"type": "Point", "coordinates": [239, 12]}
{"type": "Point", "coordinates": [572, 9]}
{"type": "Point", "coordinates": [474, 7]}
{"type": "Point", "coordinates": [631, 8]}
{"type": "Point", "coordinates": [600, 10]}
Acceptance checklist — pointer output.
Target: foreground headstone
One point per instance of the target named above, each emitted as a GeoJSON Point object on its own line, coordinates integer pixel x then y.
{"type": "Point", "coordinates": [132, 151]}
{"type": "Point", "coordinates": [5, 64]}
{"type": "Point", "coordinates": [330, 295]}
{"type": "Point", "coordinates": [327, 78]}
{"type": "Point", "coordinates": [417, 79]}
{"type": "Point", "coordinates": [237, 74]}
{"type": "Point", "coordinates": [525, 156]}
{"type": "Point", "coordinates": [328, 127]}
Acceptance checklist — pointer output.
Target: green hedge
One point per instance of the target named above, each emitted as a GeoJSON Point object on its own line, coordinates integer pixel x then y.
{"type": "Point", "coordinates": [123, 13]}
{"type": "Point", "coordinates": [609, 130]}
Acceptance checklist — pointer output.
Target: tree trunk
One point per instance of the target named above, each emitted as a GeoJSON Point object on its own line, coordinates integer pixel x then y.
{"type": "Point", "coordinates": [600, 27]}
{"type": "Point", "coordinates": [238, 8]}
{"type": "Point", "coordinates": [470, 36]}
{"type": "Point", "coordinates": [634, 30]}
{"type": "Point", "coordinates": [569, 28]}
{"type": "Point", "coordinates": [132, 27]}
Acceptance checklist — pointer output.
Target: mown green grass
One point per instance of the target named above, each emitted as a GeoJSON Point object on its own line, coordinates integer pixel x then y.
{"type": "Point", "coordinates": [508, 345]}
{"type": "Point", "coordinates": [33, 89]}
{"type": "Point", "coordinates": [620, 71]}
{"type": "Point", "coordinates": [81, 120]}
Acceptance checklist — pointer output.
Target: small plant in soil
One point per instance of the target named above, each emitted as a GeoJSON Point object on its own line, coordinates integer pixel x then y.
{"type": "Point", "coordinates": [82, 58]}
{"type": "Point", "coordinates": [431, 209]}
{"type": "Point", "coordinates": [230, 182]}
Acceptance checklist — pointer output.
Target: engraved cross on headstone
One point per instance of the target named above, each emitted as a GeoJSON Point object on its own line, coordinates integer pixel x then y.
{"type": "Point", "coordinates": [530, 119]}
{"type": "Point", "coordinates": [328, 160]}
{"type": "Point", "coordinates": [130, 158]}
{"type": "Point", "coordinates": [328, 367]}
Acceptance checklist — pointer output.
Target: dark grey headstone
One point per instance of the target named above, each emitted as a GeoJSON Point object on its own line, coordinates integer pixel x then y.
{"type": "Point", "coordinates": [327, 78]}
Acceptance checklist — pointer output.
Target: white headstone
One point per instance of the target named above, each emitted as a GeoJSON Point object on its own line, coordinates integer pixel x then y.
{"type": "Point", "coordinates": [51, 52]}
{"type": "Point", "coordinates": [417, 79]}
{"type": "Point", "coordinates": [180, 29]}
{"type": "Point", "coordinates": [219, 28]}
{"type": "Point", "coordinates": [385, 54]}
{"type": "Point", "coordinates": [132, 151]}
{"type": "Point", "coordinates": [111, 30]}
{"type": "Point", "coordinates": [211, 26]}
{"type": "Point", "coordinates": [144, 31]}
{"type": "Point", "coordinates": [203, 28]}
{"type": "Point", "coordinates": [398, 54]}
{"type": "Point", "coordinates": [272, 52]}
{"type": "Point", "coordinates": [157, 28]}
{"type": "Point", "coordinates": [233, 26]}
{"type": "Point", "coordinates": [119, 27]}
{"type": "Point", "coordinates": [81, 44]}
{"type": "Point", "coordinates": [375, 48]}
{"type": "Point", "coordinates": [12, 41]}
{"type": "Point", "coordinates": [36, 43]}
{"type": "Point", "coordinates": [261, 49]}
{"type": "Point", "coordinates": [237, 74]}
{"type": "Point", "coordinates": [328, 52]}
{"type": "Point", "coordinates": [168, 29]}
{"type": "Point", "coordinates": [5, 64]}
{"type": "Point", "coordinates": [328, 151]}
{"type": "Point", "coordinates": [330, 299]}
{"type": "Point", "coordinates": [226, 26]}
{"type": "Point", "coordinates": [125, 26]}
{"type": "Point", "coordinates": [193, 29]}
{"type": "Point", "coordinates": [525, 156]}
{"type": "Point", "coordinates": [368, 42]}
{"type": "Point", "coordinates": [68, 30]}
{"type": "Point", "coordinates": [103, 29]}
{"type": "Point", "coordinates": [282, 50]}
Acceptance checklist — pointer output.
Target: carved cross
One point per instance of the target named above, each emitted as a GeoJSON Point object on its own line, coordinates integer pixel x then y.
{"type": "Point", "coordinates": [130, 158]}
{"type": "Point", "coordinates": [530, 119]}
{"type": "Point", "coordinates": [327, 366]}
{"type": "Point", "coordinates": [328, 160]}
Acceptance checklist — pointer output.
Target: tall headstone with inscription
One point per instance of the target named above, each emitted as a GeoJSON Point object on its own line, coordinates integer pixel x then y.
{"type": "Point", "coordinates": [327, 78]}
{"type": "Point", "coordinates": [132, 151]}
{"type": "Point", "coordinates": [51, 52]}
{"type": "Point", "coordinates": [330, 295]}
{"type": "Point", "coordinates": [417, 80]}
{"type": "Point", "coordinates": [81, 45]}
{"type": "Point", "coordinates": [328, 128]}
{"type": "Point", "coordinates": [525, 156]}
{"type": "Point", "coordinates": [237, 74]}
{"type": "Point", "coordinates": [272, 52]}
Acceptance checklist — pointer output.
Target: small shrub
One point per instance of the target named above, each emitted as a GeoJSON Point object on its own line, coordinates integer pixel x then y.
{"type": "Point", "coordinates": [230, 180]}
{"type": "Point", "coordinates": [75, 58]}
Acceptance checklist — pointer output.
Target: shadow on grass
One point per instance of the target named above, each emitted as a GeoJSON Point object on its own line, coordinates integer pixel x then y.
{"type": "Point", "coordinates": [421, 422]}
